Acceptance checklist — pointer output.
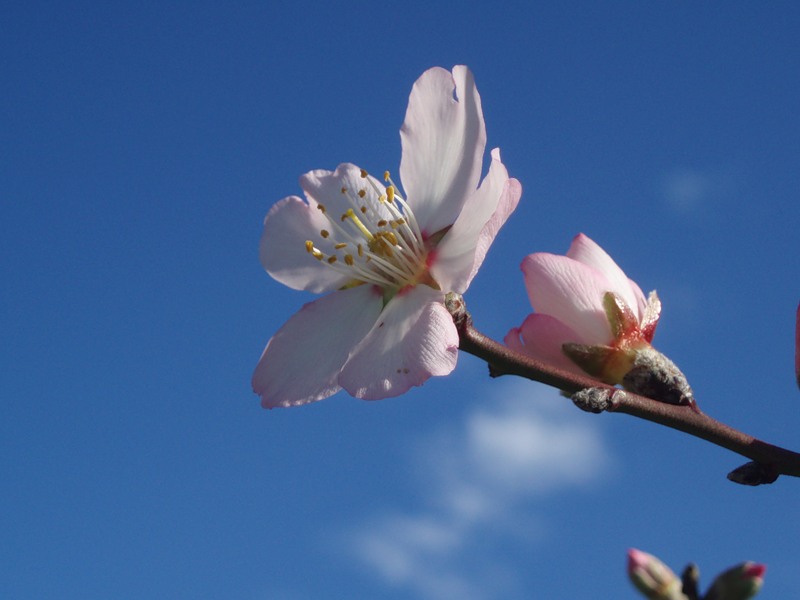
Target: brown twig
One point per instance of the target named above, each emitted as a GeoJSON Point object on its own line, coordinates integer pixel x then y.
{"type": "Point", "coordinates": [769, 461]}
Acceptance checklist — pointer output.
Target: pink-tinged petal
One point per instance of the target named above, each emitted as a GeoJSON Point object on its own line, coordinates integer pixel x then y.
{"type": "Point", "coordinates": [443, 140]}
{"type": "Point", "coordinates": [641, 301]}
{"type": "Point", "coordinates": [325, 187]}
{"type": "Point", "coordinates": [413, 339]}
{"type": "Point", "coordinates": [462, 250]}
{"type": "Point", "coordinates": [541, 337]}
{"type": "Point", "coordinates": [570, 291]}
{"type": "Point", "coordinates": [588, 252]}
{"type": "Point", "coordinates": [282, 247]}
{"type": "Point", "coordinates": [302, 361]}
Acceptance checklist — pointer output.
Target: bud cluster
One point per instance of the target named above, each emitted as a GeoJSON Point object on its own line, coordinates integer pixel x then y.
{"type": "Point", "coordinates": [656, 581]}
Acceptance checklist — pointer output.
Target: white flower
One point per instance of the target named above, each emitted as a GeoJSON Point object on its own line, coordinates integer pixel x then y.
{"type": "Point", "coordinates": [387, 259]}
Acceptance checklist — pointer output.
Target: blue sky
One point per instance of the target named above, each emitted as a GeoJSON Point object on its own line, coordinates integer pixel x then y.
{"type": "Point", "coordinates": [143, 145]}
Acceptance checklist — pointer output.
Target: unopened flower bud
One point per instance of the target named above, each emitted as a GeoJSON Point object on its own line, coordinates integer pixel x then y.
{"type": "Point", "coordinates": [653, 578]}
{"type": "Point", "coordinates": [590, 328]}
{"type": "Point", "coordinates": [738, 583]}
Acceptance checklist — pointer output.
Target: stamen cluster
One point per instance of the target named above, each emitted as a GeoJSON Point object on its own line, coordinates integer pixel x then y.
{"type": "Point", "coordinates": [374, 242]}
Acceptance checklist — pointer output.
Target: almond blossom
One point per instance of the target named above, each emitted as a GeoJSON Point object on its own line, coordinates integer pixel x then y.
{"type": "Point", "coordinates": [586, 301]}
{"type": "Point", "coordinates": [385, 255]}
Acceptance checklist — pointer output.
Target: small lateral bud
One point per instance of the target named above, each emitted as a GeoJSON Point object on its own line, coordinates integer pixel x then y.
{"type": "Point", "coordinates": [741, 582]}
{"type": "Point", "coordinates": [753, 473]}
{"type": "Point", "coordinates": [593, 400]}
{"type": "Point", "coordinates": [691, 581]}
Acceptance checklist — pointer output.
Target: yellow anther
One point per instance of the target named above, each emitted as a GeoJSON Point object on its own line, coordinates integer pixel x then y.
{"type": "Point", "coordinates": [382, 243]}
{"type": "Point", "coordinates": [344, 190]}
{"type": "Point", "coordinates": [390, 193]}
{"type": "Point", "coordinates": [331, 260]}
{"type": "Point", "coordinates": [340, 245]}
{"type": "Point", "coordinates": [360, 250]}
{"type": "Point", "coordinates": [348, 259]}
{"type": "Point", "coordinates": [382, 223]}
{"type": "Point", "coordinates": [400, 222]}
{"type": "Point", "coordinates": [322, 208]}
{"type": "Point", "coordinates": [363, 210]}
{"type": "Point", "coordinates": [386, 176]}
{"type": "Point", "coordinates": [363, 174]}
{"type": "Point", "coordinates": [324, 233]}
{"type": "Point", "coordinates": [362, 193]}
{"type": "Point", "coordinates": [382, 198]}
{"type": "Point", "coordinates": [309, 246]}
{"type": "Point", "coordinates": [317, 254]}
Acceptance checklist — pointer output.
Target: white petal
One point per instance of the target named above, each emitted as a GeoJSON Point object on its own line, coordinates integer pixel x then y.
{"type": "Point", "coordinates": [303, 359]}
{"type": "Point", "coordinates": [570, 291]}
{"type": "Point", "coordinates": [325, 187]}
{"type": "Point", "coordinates": [413, 339]}
{"type": "Point", "coordinates": [461, 252]}
{"type": "Point", "coordinates": [443, 140]}
{"type": "Point", "coordinates": [588, 252]}
{"type": "Point", "coordinates": [282, 247]}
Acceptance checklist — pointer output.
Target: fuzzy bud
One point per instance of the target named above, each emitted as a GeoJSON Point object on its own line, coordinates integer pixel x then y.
{"type": "Point", "coordinates": [655, 376]}
{"type": "Point", "coordinates": [639, 368]}
{"type": "Point", "coordinates": [741, 582]}
{"type": "Point", "coordinates": [653, 578]}
{"type": "Point", "coordinates": [595, 399]}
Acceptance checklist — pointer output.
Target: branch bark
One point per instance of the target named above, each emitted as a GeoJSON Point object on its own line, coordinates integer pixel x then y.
{"type": "Point", "coordinates": [768, 461]}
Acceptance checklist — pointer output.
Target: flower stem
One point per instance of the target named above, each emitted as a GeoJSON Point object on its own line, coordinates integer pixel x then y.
{"type": "Point", "coordinates": [769, 461]}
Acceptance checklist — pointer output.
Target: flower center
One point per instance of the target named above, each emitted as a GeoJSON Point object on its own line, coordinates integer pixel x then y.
{"type": "Point", "coordinates": [375, 241]}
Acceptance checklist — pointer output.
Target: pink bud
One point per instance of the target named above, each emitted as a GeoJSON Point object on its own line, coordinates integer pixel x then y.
{"type": "Point", "coordinates": [582, 298]}
{"type": "Point", "coordinates": [652, 577]}
{"type": "Point", "coordinates": [741, 582]}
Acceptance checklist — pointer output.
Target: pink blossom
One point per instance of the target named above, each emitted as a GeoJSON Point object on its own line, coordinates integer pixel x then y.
{"type": "Point", "coordinates": [582, 298]}
{"type": "Point", "coordinates": [385, 258]}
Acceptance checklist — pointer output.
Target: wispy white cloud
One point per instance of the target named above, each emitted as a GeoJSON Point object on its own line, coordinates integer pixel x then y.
{"type": "Point", "coordinates": [687, 190]}
{"type": "Point", "coordinates": [476, 481]}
